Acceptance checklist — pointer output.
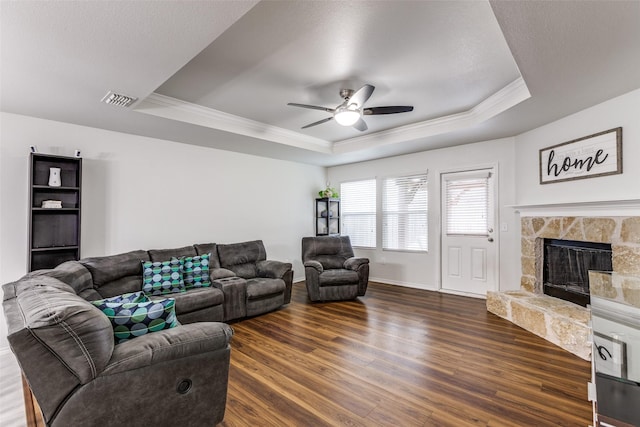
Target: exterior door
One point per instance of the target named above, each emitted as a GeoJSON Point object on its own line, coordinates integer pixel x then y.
{"type": "Point", "coordinates": [469, 246]}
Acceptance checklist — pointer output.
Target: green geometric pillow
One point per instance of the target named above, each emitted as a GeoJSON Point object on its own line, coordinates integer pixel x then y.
{"type": "Point", "coordinates": [121, 299]}
{"type": "Point", "coordinates": [196, 271]}
{"type": "Point", "coordinates": [133, 319]}
{"type": "Point", "coordinates": [160, 278]}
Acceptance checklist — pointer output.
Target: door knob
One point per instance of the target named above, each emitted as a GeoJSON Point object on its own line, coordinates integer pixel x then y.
{"type": "Point", "coordinates": [490, 239]}
{"type": "Point", "coordinates": [490, 230]}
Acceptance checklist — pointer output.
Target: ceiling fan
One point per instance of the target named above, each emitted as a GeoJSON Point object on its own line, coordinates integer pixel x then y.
{"type": "Point", "coordinates": [350, 112]}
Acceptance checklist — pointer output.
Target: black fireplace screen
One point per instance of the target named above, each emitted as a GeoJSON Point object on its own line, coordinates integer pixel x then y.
{"type": "Point", "coordinates": [567, 264]}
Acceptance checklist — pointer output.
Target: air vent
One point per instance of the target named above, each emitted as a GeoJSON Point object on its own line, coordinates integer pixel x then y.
{"type": "Point", "coordinates": [118, 99]}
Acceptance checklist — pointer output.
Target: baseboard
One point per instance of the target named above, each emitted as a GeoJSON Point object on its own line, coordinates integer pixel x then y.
{"type": "Point", "coordinates": [404, 284]}
{"type": "Point", "coordinates": [463, 294]}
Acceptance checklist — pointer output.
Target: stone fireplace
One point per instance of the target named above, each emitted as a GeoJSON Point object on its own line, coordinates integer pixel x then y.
{"type": "Point", "coordinates": [563, 323]}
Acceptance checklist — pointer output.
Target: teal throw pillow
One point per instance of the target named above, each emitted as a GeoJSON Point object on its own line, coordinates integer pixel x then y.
{"type": "Point", "coordinates": [196, 271]}
{"type": "Point", "coordinates": [161, 278]}
{"type": "Point", "coordinates": [133, 319]}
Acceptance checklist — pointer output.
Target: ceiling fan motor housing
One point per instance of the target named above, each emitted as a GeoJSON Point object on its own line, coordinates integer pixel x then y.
{"type": "Point", "coordinates": [346, 93]}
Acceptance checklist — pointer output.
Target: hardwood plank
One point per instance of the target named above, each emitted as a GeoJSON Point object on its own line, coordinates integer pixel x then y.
{"type": "Point", "coordinates": [399, 357]}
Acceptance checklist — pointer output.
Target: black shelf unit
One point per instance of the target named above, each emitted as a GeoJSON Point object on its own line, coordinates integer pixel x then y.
{"type": "Point", "coordinates": [327, 216]}
{"type": "Point", "coordinates": [54, 233]}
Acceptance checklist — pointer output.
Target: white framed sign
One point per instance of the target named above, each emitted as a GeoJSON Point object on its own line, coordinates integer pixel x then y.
{"type": "Point", "coordinates": [609, 355]}
{"type": "Point", "coordinates": [599, 154]}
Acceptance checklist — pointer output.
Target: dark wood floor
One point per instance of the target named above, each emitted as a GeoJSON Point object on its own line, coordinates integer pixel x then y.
{"type": "Point", "coordinates": [399, 357]}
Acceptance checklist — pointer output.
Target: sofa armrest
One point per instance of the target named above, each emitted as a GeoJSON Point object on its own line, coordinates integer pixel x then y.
{"type": "Point", "coordinates": [354, 263]}
{"type": "Point", "coordinates": [169, 344]}
{"type": "Point", "coordinates": [273, 269]}
{"type": "Point", "coordinates": [220, 273]}
{"type": "Point", "coordinates": [314, 264]}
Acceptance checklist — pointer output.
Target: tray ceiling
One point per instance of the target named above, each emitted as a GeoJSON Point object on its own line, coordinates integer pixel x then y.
{"type": "Point", "coordinates": [220, 74]}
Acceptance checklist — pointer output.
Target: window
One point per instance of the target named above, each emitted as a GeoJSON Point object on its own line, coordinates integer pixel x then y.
{"type": "Point", "coordinates": [404, 213]}
{"type": "Point", "coordinates": [467, 200]}
{"type": "Point", "coordinates": [358, 215]}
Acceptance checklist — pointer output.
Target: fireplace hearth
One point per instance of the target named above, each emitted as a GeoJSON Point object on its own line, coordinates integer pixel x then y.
{"type": "Point", "coordinates": [566, 265]}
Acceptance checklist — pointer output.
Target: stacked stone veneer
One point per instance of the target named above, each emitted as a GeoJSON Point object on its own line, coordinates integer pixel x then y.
{"type": "Point", "coordinates": [560, 322]}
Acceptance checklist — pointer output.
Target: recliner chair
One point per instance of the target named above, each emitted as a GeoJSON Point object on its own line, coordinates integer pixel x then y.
{"type": "Point", "coordinates": [65, 347]}
{"type": "Point", "coordinates": [332, 271]}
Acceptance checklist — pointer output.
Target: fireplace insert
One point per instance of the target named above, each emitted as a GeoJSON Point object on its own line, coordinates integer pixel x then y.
{"type": "Point", "coordinates": [566, 266]}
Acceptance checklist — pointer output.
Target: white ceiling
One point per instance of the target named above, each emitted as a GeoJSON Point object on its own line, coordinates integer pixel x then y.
{"type": "Point", "coordinates": [220, 73]}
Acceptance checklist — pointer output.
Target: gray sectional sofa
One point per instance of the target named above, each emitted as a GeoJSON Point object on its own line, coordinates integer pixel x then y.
{"type": "Point", "coordinates": [264, 285]}
{"type": "Point", "coordinates": [79, 376]}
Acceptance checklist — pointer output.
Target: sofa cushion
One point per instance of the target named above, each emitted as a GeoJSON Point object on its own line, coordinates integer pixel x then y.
{"type": "Point", "coordinates": [166, 277]}
{"type": "Point", "coordinates": [109, 268]}
{"type": "Point", "coordinates": [241, 258]}
{"type": "Point", "coordinates": [73, 274]}
{"type": "Point", "coordinates": [159, 255]}
{"type": "Point", "coordinates": [119, 286]}
{"type": "Point", "coordinates": [196, 299]}
{"type": "Point", "coordinates": [65, 324]}
{"type": "Point", "coordinates": [260, 287]}
{"type": "Point", "coordinates": [209, 248]}
{"type": "Point", "coordinates": [134, 315]}
{"type": "Point", "coordinates": [338, 277]}
{"type": "Point", "coordinates": [196, 271]}
{"type": "Point", "coordinates": [330, 251]}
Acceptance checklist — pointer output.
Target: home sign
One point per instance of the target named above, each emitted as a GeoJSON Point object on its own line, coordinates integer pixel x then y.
{"type": "Point", "coordinates": [599, 154]}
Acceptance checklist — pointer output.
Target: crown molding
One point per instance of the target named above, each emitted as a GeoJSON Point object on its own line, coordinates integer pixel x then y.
{"type": "Point", "coordinates": [507, 97]}
{"type": "Point", "coordinates": [176, 109]}
{"type": "Point", "coordinates": [171, 108]}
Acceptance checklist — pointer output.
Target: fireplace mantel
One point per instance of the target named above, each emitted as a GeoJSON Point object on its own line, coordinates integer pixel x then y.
{"type": "Point", "coordinates": [595, 209]}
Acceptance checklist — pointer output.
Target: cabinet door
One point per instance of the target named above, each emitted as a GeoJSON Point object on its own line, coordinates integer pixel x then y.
{"type": "Point", "coordinates": [327, 217]}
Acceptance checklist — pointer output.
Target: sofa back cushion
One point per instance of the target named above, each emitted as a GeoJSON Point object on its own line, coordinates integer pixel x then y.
{"type": "Point", "coordinates": [241, 258]}
{"type": "Point", "coordinates": [116, 274]}
{"type": "Point", "coordinates": [67, 325]}
{"type": "Point", "coordinates": [73, 274]}
{"type": "Point", "coordinates": [161, 255]}
{"type": "Point", "coordinates": [209, 248]}
{"type": "Point", "coordinates": [330, 251]}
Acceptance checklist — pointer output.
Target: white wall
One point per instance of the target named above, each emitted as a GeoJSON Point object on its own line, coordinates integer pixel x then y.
{"type": "Point", "coordinates": [143, 193]}
{"type": "Point", "coordinates": [621, 111]}
{"type": "Point", "coordinates": [422, 270]}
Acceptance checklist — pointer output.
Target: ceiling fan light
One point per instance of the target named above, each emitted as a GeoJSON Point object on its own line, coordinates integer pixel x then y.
{"type": "Point", "coordinates": [346, 116]}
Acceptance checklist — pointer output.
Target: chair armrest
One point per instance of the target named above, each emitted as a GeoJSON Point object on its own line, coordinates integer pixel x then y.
{"type": "Point", "coordinates": [220, 273]}
{"type": "Point", "coordinates": [354, 263]}
{"type": "Point", "coordinates": [273, 269]}
{"type": "Point", "coordinates": [314, 264]}
{"type": "Point", "coordinates": [169, 344]}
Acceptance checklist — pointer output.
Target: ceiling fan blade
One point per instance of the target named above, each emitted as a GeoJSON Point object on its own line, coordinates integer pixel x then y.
{"type": "Point", "coordinates": [319, 122]}
{"type": "Point", "coordinates": [387, 110]}
{"type": "Point", "coordinates": [361, 125]}
{"type": "Point", "coordinates": [361, 96]}
{"type": "Point", "coordinates": [311, 107]}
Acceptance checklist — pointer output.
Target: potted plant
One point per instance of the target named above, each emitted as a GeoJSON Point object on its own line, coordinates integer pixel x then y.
{"type": "Point", "coordinates": [329, 192]}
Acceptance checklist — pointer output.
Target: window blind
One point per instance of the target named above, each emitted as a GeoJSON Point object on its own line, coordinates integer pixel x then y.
{"type": "Point", "coordinates": [358, 206]}
{"type": "Point", "coordinates": [467, 202]}
{"type": "Point", "coordinates": [405, 213]}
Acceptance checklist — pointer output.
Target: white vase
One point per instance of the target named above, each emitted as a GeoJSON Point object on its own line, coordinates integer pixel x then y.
{"type": "Point", "coordinates": [54, 177]}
